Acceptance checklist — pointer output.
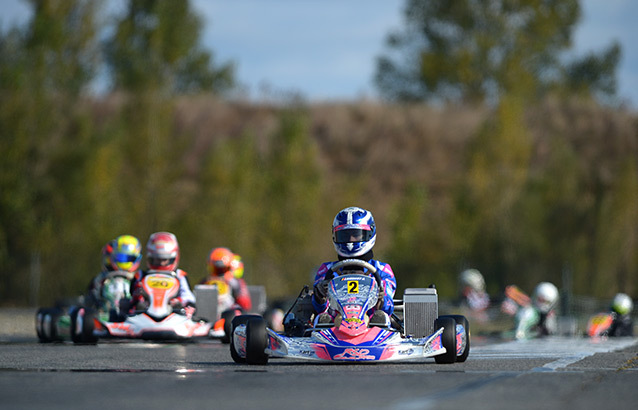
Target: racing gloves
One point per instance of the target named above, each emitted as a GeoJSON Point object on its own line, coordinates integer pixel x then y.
{"type": "Point", "coordinates": [380, 297]}
{"type": "Point", "coordinates": [321, 291]}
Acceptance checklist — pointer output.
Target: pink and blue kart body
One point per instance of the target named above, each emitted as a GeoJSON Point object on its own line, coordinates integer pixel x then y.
{"type": "Point", "coordinates": [350, 339]}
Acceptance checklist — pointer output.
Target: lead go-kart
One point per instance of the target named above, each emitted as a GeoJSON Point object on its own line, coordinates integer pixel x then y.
{"type": "Point", "coordinates": [352, 291]}
{"type": "Point", "coordinates": [157, 321]}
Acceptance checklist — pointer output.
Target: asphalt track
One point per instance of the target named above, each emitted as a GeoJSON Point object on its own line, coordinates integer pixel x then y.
{"type": "Point", "coordinates": [552, 373]}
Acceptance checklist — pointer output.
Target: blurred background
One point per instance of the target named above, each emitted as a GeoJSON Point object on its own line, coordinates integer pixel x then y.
{"type": "Point", "coordinates": [502, 138]}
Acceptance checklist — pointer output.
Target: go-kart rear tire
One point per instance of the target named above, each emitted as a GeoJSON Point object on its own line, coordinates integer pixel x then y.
{"type": "Point", "coordinates": [256, 341]}
{"type": "Point", "coordinates": [462, 320]}
{"type": "Point", "coordinates": [39, 323]}
{"type": "Point", "coordinates": [54, 315]}
{"type": "Point", "coordinates": [448, 339]}
{"type": "Point", "coordinates": [238, 320]}
{"type": "Point", "coordinates": [228, 317]}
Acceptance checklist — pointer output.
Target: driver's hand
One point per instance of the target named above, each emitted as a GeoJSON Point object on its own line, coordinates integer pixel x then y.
{"type": "Point", "coordinates": [321, 291]}
{"type": "Point", "coordinates": [380, 297]}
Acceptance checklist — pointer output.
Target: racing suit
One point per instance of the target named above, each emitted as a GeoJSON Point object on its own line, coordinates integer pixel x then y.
{"type": "Point", "coordinates": [387, 279]}
{"type": "Point", "coordinates": [238, 290]}
{"type": "Point", "coordinates": [621, 326]}
{"type": "Point", "coordinates": [185, 296]}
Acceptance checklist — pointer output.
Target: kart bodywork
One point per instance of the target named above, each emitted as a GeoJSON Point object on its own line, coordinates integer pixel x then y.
{"type": "Point", "coordinates": [157, 322]}
{"type": "Point", "coordinates": [352, 337]}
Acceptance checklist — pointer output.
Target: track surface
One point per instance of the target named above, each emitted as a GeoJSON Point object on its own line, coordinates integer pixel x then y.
{"type": "Point", "coordinates": [553, 373]}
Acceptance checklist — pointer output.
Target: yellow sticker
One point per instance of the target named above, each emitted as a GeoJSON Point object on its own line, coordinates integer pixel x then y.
{"type": "Point", "coordinates": [157, 283]}
{"type": "Point", "coordinates": [222, 286]}
{"type": "Point", "coordinates": [353, 286]}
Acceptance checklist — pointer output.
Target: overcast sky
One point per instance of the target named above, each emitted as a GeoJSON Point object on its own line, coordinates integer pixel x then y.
{"type": "Point", "coordinates": [326, 49]}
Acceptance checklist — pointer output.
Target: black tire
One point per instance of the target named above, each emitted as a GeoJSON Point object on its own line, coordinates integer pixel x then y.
{"type": "Point", "coordinates": [256, 341]}
{"type": "Point", "coordinates": [462, 320]}
{"type": "Point", "coordinates": [39, 323]}
{"type": "Point", "coordinates": [448, 339]}
{"type": "Point", "coordinates": [54, 317]}
{"type": "Point", "coordinates": [238, 320]}
{"type": "Point", "coordinates": [228, 316]}
{"type": "Point", "coordinates": [76, 334]}
{"type": "Point", "coordinates": [82, 326]}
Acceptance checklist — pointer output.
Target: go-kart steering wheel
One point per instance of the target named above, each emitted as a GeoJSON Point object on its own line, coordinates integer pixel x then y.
{"type": "Point", "coordinates": [354, 262]}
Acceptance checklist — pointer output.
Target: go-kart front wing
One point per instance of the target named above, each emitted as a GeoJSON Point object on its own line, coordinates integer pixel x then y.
{"type": "Point", "coordinates": [324, 345]}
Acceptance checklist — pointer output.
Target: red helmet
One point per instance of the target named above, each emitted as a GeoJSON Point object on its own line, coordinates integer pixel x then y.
{"type": "Point", "coordinates": [162, 251]}
{"type": "Point", "coordinates": [107, 251]}
{"type": "Point", "coordinates": [219, 261]}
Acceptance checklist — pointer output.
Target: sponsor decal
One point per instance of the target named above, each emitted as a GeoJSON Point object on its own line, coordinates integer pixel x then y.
{"type": "Point", "coordinates": [157, 283]}
{"type": "Point", "coordinates": [354, 354]}
{"type": "Point", "coordinates": [353, 286]}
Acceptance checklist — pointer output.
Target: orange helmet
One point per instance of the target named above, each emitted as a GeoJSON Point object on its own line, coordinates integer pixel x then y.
{"type": "Point", "coordinates": [162, 251]}
{"type": "Point", "coordinates": [219, 261]}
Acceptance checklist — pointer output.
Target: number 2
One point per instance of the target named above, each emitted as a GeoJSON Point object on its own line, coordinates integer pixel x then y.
{"type": "Point", "coordinates": [353, 286]}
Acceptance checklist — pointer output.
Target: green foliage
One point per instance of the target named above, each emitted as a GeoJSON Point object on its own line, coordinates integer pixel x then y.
{"type": "Point", "coordinates": [155, 46]}
{"type": "Point", "coordinates": [521, 192]}
{"type": "Point", "coordinates": [474, 51]}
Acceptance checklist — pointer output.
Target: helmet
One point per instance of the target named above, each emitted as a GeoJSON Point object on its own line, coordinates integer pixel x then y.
{"type": "Point", "coordinates": [162, 251]}
{"type": "Point", "coordinates": [473, 279]}
{"type": "Point", "coordinates": [353, 232]}
{"type": "Point", "coordinates": [622, 304]}
{"type": "Point", "coordinates": [237, 267]}
{"type": "Point", "coordinates": [220, 260]}
{"type": "Point", "coordinates": [107, 250]}
{"type": "Point", "coordinates": [126, 254]}
{"type": "Point", "coordinates": [545, 296]}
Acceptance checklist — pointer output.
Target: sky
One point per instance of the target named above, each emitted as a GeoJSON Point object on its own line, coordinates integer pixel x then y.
{"type": "Point", "coordinates": [326, 50]}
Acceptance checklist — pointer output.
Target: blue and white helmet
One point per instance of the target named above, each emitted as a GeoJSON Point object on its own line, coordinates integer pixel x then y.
{"type": "Point", "coordinates": [353, 232]}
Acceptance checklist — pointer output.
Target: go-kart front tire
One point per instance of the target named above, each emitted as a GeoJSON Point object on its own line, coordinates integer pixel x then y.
{"type": "Point", "coordinates": [462, 320]}
{"type": "Point", "coordinates": [82, 326]}
{"type": "Point", "coordinates": [238, 320]}
{"type": "Point", "coordinates": [256, 341]}
{"type": "Point", "coordinates": [448, 339]}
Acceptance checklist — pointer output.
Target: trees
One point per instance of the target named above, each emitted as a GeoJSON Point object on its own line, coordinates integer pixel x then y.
{"type": "Point", "coordinates": [155, 46]}
{"type": "Point", "coordinates": [476, 51]}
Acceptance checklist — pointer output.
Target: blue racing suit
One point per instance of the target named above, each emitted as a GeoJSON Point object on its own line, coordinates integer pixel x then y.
{"type": "Point", "coordinates": [387, 278]}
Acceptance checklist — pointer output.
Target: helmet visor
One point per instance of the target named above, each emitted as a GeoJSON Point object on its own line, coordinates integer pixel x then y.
{"type": "Point", "coordinates": [161, 261]}
{"type": "Point", "coordinates": [352, 235]}
{"type": "Point", "coordinates": [122, 258]}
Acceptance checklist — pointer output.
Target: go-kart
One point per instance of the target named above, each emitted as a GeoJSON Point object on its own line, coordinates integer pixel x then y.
{"type": "Point", "coordinates": [54, 324]}
{"type": "Point", "coordinates": [216, 304]}
{"type": "Point", "coordinates": [159, 321]}
{"type": "Point", "coordinates": [352, 292]}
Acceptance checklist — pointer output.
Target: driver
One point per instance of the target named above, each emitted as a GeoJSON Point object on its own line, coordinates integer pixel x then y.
{"type": "Point", "coordinates": [354, 234]}
{"type": "Point", "coordinates": [123, 253]}
{"type": "Point", "coordinates": [162, 254]}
